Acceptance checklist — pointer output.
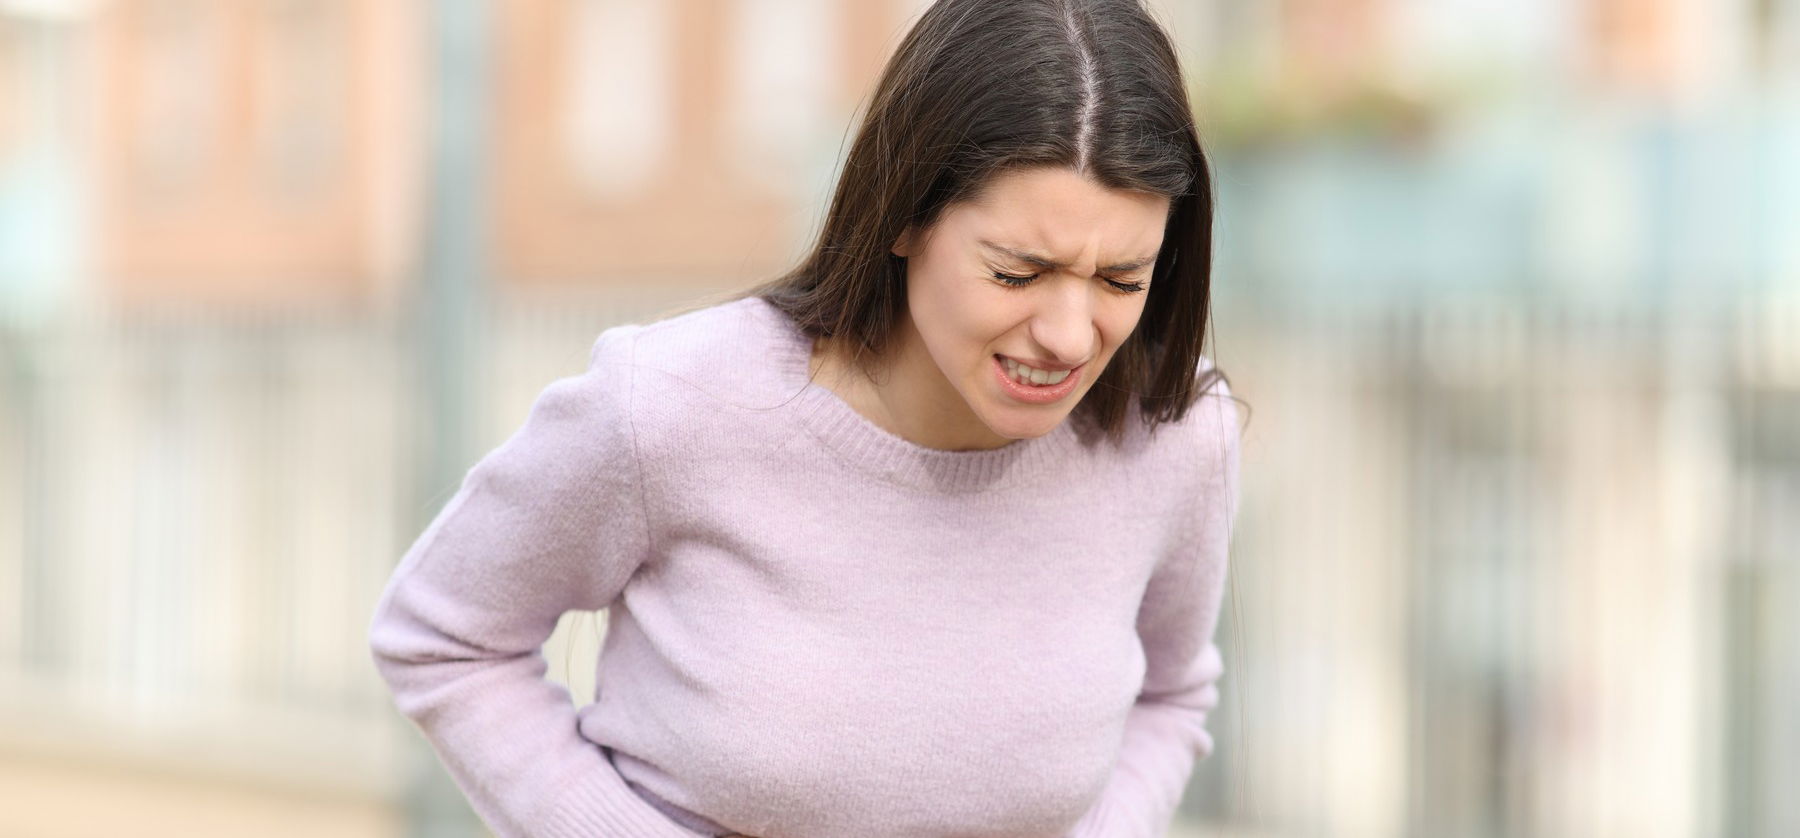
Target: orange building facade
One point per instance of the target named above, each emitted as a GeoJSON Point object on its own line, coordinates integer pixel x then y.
{"type": "Point", "coordinates": [277, 152]}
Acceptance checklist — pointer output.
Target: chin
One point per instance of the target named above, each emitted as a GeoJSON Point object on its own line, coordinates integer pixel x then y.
{"type": "Point", "coordinates": [1022, 428]}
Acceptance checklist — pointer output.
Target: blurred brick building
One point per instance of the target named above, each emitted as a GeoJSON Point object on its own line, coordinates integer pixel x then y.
{"type": "Point", "coordinates": [274, 151]}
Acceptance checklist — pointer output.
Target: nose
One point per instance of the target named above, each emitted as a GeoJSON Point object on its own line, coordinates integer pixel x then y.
{"type": "Point", "coordinates": [1063, 324]}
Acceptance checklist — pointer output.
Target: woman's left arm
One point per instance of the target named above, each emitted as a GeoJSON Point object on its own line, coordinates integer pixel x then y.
{"type": "Point", "coordinates": [1165, 732]}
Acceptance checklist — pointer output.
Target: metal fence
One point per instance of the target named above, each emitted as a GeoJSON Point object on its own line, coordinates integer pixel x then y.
{"type": "Point", "coordinates": [1504, 567]}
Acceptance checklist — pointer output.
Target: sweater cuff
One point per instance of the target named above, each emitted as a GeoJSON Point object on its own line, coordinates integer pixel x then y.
{"type": "Point", "coordinates": [1162, 743]}
{"type": "Point", "coordinates": [600, 805]}
{"type": "Point", "coordinates": [1111, 817]}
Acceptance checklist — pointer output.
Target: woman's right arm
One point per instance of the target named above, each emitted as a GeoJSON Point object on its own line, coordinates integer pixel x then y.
{"type": "Point", "coordinates": [550, 521]}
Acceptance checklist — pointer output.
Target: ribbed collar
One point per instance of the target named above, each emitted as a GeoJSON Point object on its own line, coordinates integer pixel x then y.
{"type": "Point", "coordinates": [868, 447]}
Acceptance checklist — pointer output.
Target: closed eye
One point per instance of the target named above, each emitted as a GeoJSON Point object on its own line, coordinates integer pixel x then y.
{"type": "Point", "coordinates": [1017, 281]}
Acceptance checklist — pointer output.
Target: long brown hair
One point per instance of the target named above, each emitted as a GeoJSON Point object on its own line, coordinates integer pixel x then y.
{"type": "Point", "coordinates": [979, 87]}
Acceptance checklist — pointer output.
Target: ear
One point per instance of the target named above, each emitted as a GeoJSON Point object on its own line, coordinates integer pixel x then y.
{"type": "Point", "coordinates": [903, 245]}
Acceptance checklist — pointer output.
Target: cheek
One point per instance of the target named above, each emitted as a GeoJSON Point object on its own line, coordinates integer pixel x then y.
{"type": "Point", "coordinates": [957, 314]}
{"type": "Point", "coordinates": [1118, 325]}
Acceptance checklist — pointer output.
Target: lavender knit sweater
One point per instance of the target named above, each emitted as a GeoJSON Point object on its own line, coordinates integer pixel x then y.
{"type": "Point", "coordinates": [815, 629]}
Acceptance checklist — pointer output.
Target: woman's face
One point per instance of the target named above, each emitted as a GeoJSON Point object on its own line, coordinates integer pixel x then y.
{"type": "Point", "coordinates": [1082, 254]}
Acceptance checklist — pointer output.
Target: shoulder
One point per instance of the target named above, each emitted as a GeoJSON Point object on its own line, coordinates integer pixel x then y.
{"type": "Point", "coordinates": [1216, 427]}
{"type": "Point", "coordinates": [709, 380]}
{"type": "Point", "coordinates": [1211, 411]}
{"type": "Point", "coordinates": [1214, 411]}
{"type": "Point", "coordinates": [733, 350]}
{"type": "Point", "coordinates": [1206, 439]}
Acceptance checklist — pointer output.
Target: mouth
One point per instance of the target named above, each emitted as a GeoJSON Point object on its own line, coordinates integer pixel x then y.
{"type": "Point", "coordinates": [1032, 393]}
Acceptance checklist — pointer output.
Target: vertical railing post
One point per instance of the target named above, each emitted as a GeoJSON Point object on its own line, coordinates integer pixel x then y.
{"type": "Point", "coordinates": [449, 323]}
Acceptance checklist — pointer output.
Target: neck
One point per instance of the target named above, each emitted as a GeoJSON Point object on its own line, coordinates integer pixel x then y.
{"type": "Point", "coordinates": [904, 393]}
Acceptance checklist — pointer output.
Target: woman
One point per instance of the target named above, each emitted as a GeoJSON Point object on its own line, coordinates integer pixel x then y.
{"type": "Point", "coordinates": [926, 537]}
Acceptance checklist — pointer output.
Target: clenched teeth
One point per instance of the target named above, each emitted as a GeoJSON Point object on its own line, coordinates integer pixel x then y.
{"type": "Point", "coordinates": [1031, 375]}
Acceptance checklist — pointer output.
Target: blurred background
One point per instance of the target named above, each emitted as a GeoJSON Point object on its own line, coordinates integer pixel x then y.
{"type": "Point", "coordinates": [1512, 289]}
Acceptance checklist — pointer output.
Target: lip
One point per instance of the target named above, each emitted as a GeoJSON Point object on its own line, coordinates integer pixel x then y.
{"type": "Point", "coordinates": [1032, 394]}
{"type": "Point", "coordinates": [1047, 366]}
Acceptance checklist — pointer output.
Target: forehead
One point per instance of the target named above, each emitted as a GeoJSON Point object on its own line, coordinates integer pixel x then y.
{"type": "Point", "coordinates": [1057, 212]}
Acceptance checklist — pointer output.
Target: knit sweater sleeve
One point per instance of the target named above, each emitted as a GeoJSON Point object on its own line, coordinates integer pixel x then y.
{"type": "Point", "coordinates": [550, 521]}
{"type": "Point", "coordinates": [1165, 730]}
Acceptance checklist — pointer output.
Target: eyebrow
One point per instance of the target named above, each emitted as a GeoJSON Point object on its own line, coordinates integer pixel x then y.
{"type": "Point", "coordinates": [1047, 262]}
